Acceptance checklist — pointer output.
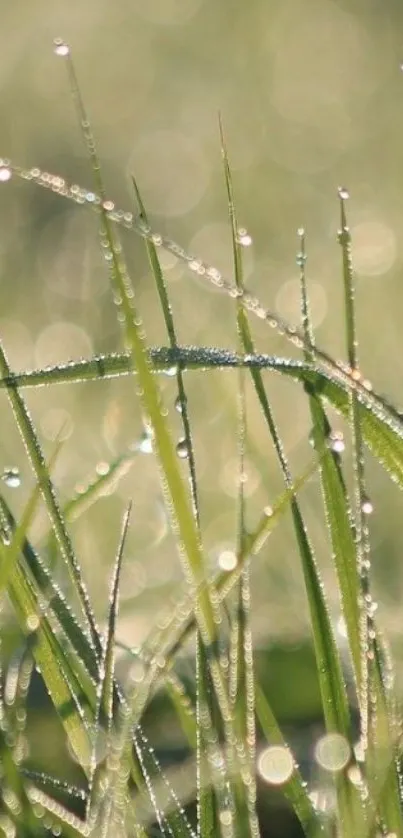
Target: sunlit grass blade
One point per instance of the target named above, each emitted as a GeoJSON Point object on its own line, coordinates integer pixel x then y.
{"type": "Point", "coordinates": [178, 626]}
{"type": "Point", "coordinates": [333, 690]}
{"type": "Point", "coordinates": [35, 569]}
{"type": "Point", "coordinates": [360, 494]}
{"type": "Point", "coordinates": [374, 717]}
{"type": "Point", "coordinates": [149, 394]}
{"type": "Point", "coordinates": [336, 502]}
{"type": "Point", "coordinates": [170, 327]}
{"type": "Point", "coordinates": [51, 660]}
{"type": "Point", "coordinates": [104, 483]}
{"type": "Point", "coordinates": [338, 520]}
{"type": "Point", "coordinates": [241, 657]}
{"type": "Point", "coordinates": [173, 486]}
{"type": "Point", "coordinates": [44, 482]}
{"type": "Point", "coordinates": [105, 688]}
{"type": "Point", "coordinates": [14, 798]}
{"type": "Point", "coordinates": [63, 821]}
{"type": "Point", "coordinates": [382, 425]}
{"type": "Point", "coordinates": [13, 549]}
{"type": "Point", "coordinates": [293, 787]}
{"type": "Point", "coordinates": [211, 274]}
{"type": "Point", "coordinates": [186, 444]}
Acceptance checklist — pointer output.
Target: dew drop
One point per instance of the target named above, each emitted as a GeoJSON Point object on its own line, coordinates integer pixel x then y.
{"type": "Point", "coordinates": [301, 259]}
{"type": "Point", "coordinates": [11, 477]}
{"type": "Point", "coordinates": [60, 47]}
{"type": "Point", "coordinates": [343, 193]}
{"type": "Point", "coordinates": [367, 506]}
{"type": "Point", "coordinates": [275, 765]}
{"type": "Point", "coordinates": [243, 237]}
{"type": "Point", "coordinates": [171, 371]}
{"type": "Point", "coordinates": [102, 468]}
{"type": "Point", "coordinates": [146, 444]}
{"type": "Point", "coordinates": [227, 560]}
{"type": "Point", "coordinates": [179, 404]}
{"type": "Point", "coordinates": [301, 232]}
{"type": "Point", "coordinates": [32, 622]}
{"type": "Point", "coordinates": [182, 449]}
{"type": "Point", "coordinates": [336, 442]}
{"type": "Point", "coordinates": [332, 752]}
{"type": "Point", "coordinates": [5, 172]}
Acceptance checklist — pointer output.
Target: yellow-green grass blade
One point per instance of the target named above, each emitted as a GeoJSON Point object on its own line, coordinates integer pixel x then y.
{"type": "Point", "coordinates": [332, 686]}
{"type": "Point", "coordinates": [241, 654]}
{"type": "Point", "coordinates": [375, 725]}
{"type": "Point", "coordinates": [173, 485]}
{"type": "Point", "coordinates": [104, 715]}
{"type": "Point", "coordinates": [52, 662]}
{"type": "Point", "coordinates": [44, 482]}
{"type": "Point", "coordinates": [294, 788]}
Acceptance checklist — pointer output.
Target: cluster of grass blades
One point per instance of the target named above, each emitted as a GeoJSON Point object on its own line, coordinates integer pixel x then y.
{"type": "Point", "coordinates": [124, 791]}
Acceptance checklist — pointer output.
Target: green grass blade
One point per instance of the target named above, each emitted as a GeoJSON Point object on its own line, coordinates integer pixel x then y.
{"type": "Point", "coordinates": [169, 324]}
{"type": "Point", "coordinates": [241, 659]}
{"type": "Point", "coordinates": [294, 789]}
{"type": "Point", "coordinates": [35, 570]}
{"type": "Point", "coordinates": [375, 732]}
{"type": "Point", "coordinates": [44, 482]}
{"type": "Point", "coordinates": [51, 660]}
{"type": "Point", "coordinates": [13, 549]}
{"type": "Point", "coordinates": [173, 486]}
{"type": "Point", "coordinates": [105, 689]}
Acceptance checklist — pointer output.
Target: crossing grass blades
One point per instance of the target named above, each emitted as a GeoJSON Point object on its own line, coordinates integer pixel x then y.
{"type": "Point", "coordinates": [125, 791]}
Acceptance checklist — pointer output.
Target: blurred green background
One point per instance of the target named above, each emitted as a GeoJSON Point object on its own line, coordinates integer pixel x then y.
{"type": "Point", "coordinates": [311, 97]}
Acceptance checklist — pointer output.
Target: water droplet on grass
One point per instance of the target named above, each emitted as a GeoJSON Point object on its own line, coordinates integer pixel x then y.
{"type": "Point", "coordinates": [301, 259]}
{"type": "Point", "coordinates": [332, 752]}
{"type": "Point", "coordinates": [60, 47]}
{"type": "Point", "coordinates": [179, 404]}
{"type": "Point", "coordinates": [275, 765]}
{"type": "Point", "coordinates": [182, 449]}
{"type": "Point", "coordinates": [336, 442]}
{"type": "Point", "coordinates": [5, 172]}
{"type": "Point", "coordinates": [367, 506]}
{"type": "Point", "coordinates": [146, 443]}
{"type": "Point", "coordinates": [11, 477]}
{"type": "Point", "coordinates": [243, 237]}
{"type": "Point", "coordinates": [344, 193]}
{"type": "Point", "coordinates": [227, 560]}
